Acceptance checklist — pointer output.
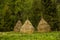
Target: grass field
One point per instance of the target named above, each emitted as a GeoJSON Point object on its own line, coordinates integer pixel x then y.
{"type": "Point", "coordinates": [34, 36]}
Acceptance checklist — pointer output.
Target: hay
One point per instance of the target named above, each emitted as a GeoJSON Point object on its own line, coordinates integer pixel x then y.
{"type": "Point", "coordinates": [27, 27]}
{"type": "Point", "coordinates": [17, 26]}
{"type": "Point", "coordinates": [43, 26]}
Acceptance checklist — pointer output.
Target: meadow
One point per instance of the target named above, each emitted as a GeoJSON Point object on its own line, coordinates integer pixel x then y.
{"type": "Point", "coordinates": [34, 36]}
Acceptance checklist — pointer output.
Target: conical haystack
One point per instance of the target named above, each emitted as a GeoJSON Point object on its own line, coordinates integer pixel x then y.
{"type": "Point", "coordinates": [27, 27]}
{"type": "Point", "coordinates": [17, 26]}
{"type": "Point", "coordinates": [43, 26]}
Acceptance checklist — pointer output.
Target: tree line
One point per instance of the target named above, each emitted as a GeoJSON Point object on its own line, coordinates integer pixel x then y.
{"type": "Point", "coordinates": [13, 10]}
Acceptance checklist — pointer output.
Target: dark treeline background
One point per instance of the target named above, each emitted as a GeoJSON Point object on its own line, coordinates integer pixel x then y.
{"type": "Point", "coordinates": [13, 10]}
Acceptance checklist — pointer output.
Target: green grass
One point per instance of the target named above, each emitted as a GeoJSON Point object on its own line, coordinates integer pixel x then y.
{"type": "Point", "coordinates": [34, 36]}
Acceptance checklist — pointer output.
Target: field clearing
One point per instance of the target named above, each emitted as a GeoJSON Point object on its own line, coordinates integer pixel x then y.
{"type": "Point", "coordinates": [34, 36]}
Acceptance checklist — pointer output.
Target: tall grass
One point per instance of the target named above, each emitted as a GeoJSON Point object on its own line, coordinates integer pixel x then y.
{"type": "Point", "coordinates": [34, 36]}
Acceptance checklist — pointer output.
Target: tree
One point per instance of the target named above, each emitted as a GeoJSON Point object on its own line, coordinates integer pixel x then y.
{"type": "Point", "coordinates": [36, 12]}
{"type": "Point", "coordinates": [50, 13]}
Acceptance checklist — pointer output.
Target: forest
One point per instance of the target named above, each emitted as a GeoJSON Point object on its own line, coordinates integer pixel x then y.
{"type": "Point", "coordinates": [13, 10]}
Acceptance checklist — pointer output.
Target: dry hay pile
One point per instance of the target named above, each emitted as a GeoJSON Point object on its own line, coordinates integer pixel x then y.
{"type": "Point", "coordinates": [43, 26]}
{"type": "Point", "coordinates": [17, 26]}
{"type": "Point", "coordinates": [27, 27]}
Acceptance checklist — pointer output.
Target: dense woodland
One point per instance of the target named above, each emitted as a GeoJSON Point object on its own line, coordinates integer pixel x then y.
{"type": "Point", "coordinates": [13, 10]}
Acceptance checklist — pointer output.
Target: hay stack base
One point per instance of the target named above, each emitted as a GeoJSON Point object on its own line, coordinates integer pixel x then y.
{"type": "Point", "coordinates": [27, 27]}
{"type": "Point", "coordinates": [43, 26]}
{"type": "Point", "coordinates": [17, 26]}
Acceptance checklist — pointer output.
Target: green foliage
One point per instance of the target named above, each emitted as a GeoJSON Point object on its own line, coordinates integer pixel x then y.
{"type": "Point", "coordinates": [36, 8]}
{"type": "Point", "coordinates": [50, 13]}
{"type": "Point", "coordinates": [13, 10]}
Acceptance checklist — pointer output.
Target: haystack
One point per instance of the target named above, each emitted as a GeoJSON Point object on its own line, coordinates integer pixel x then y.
{"type": "Point", "coordinates": [43, 26]}
{"type": "Point", "coordinates": [17, 26]}
{"type": "Point", "coordinates": [27, 27]}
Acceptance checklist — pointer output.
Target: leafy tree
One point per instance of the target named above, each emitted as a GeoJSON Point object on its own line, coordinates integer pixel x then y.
{"type": "Point", "coordinates": [36, 11]}
{"type": "Point", "coordinates": [50, 13]}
